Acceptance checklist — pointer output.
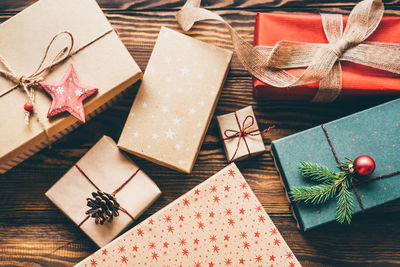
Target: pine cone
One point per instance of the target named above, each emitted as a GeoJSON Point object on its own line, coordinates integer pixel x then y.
{"type": "Point", "coordinates": [103, 207]}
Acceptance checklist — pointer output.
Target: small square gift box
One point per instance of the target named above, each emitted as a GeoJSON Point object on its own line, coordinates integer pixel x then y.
{"type": "Point", "coordinates": [242, 137]}
{"type": "Point", "coordinates": [104, 192]}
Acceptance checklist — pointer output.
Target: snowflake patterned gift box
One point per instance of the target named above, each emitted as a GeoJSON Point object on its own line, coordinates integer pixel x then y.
{"type": "Point", "coordinates": [176, 100]}
{"type": "Point", "coordinates": [99, 59]}
{"type": "Point", "coordinates": [374, 132]}
{"type": "Point", "coordinates": [237, 146]}
{"type": "Point", "coordinates": [104, 168]}
{"type": "Point", "coordinates": [218, 223]}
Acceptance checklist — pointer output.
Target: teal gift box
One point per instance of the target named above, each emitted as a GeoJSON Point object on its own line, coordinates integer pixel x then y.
{"type": "Point", "coordinates": [374, 132]}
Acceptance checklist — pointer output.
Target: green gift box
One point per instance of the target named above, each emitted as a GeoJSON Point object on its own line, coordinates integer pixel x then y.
{"type": "Point", "coordinates": [374, 132]}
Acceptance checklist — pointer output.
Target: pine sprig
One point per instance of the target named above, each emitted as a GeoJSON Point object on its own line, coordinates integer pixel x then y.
{"type": "Point", "coordinates": [331, 184]}
{"type": "Point", "coordinates": [316, 172]}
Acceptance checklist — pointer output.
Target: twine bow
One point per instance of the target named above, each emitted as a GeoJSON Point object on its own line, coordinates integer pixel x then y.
{"type": "Point", "coordinates": [322, 61]}
{"type": "Point", "coordinates": [243, 131]}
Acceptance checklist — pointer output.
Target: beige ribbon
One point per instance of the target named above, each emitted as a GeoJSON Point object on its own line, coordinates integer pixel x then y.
{"type": "Point", "coordinates": [322, 61]}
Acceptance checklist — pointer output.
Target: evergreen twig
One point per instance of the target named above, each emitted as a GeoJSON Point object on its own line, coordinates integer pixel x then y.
{"type": "Point", "coordinates": [316, 172]}
{"type": "Point", "coordinates": [345, 207]}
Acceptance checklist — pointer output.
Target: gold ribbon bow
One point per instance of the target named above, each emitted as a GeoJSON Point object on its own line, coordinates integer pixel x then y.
{"type": "Point", "coordinates": [322, 61]}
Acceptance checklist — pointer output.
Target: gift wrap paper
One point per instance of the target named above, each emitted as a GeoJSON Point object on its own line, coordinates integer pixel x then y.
{"type": "Point", "coordinates": [176, 100]}
{"type": "Point", "coordinates": [357, 79]}
{"type": "Point", "coordinates": [105, 64]}
{"type": "Point", "coordinates": [218, 223]}
{"type": "Point", "coordinates": [255, 143]}
{"type": "Point", "coordinates": [108, 168]}
{"type": "Point", "coordinates": [374, 132]}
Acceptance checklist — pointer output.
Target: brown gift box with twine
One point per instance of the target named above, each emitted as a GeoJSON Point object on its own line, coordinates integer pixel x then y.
{"type": "Point", "coordinates": [104, 168]}
{"type": "Point", "coordinates": [99, 58]}
{"type": "Point", "coordinates": [241, 135]}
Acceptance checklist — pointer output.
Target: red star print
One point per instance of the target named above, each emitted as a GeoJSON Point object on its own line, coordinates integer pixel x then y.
{"type": "Point", "coordinates": [215, 248]}
{"type": "Point", "coordinates": [213, 189]}
{"type": "Point", "coordinates": [182, 242]}
{"type": "Point", "coordinates": [196, 241]}
{"type": "Point", "coordinates": [291, 264]}
{"type": "Point", "coordinates": [211, 214]}
{"type": "Point", "coordinates": [228, 212]}
{"type": "Point", "coordinates": [68, 95]}
{"type": "Point", "coordinates": [124, 259]}
{"type": "Point", "coordinates": [289, 255]}
{"type": "Point", "coordinates": [93, 263]}
{"type": "Point", "coordinates": [243, 185]}
{"type": "Point", "coordinates": [261, 218]}
{"type": "Point", "coordinates": [228, 262]}
{"type": "Point", "coordinates": [231, 221]}
{"type": "Point", "coordinates": [197, 264]}
{"type": "Point", "coordinates": [186, 202]}
{"type": "Point", "coordinates": [198, 215]}
{"type": "Point", "coordinates": [227, 188]}
{"type": "Point", "coordinates": [258, 258]}
{"type": "Point", "coordinates": [181, 218]}
{"type": "Point", "coordinates": [274, 231]}
{"type": "Point", "coordinates": [170, 229]}
{"type": "Point", "coordinates": [165, 245]}
{"type": "Point", "coordinates": [216, 199]}
{"type": "Point", "coordinates": [259, 208]}
{"type": "Point", "coordinates": [167, 218]}
{"type": "Point", "coordinates": [241, 211]}
{"type": "Point", "coordinates": [277, 242]}
{"type": "Point", "coordinates": [213, 238]}
{"type": "Point", "coordinates": [231, 172]}
{"type": "Point", "coordinates": [243, 235]}
{"type": "Point", "coordinates": [154, 256]}
{"type": "Point", "coordinates": [151, 221]}
{"type": "Point", "coordinates": [200, 225]}
{"type": "Point", "coordinates": [241, 261]}
{"type": "Point", "coordinates": [272, 258]}
{"type": "Point", "coordinates": [246, 195]}
{"type": "Point", "coordinates": [211, 264]}
{"type": "Point", "coordinates": [104, 252]}
{"type": "Point", "coordinates": [121, 249]}
{"type": "Point", "coordinates": [152, 245]}
{"type": "Point", "coordinates": [185, 252]}
{"type": "Point", "coordinates": [139, 232]}
{"type": "Point", "coordinates": [246, 245]}
{"type": "Point", "coordinates": [256, 234]}
{"type": "Point", "coordinates": [135, 248]}
{"type": "Point", "coordinates": [226, 238]}
{"type": "Point", "coordinates": [196, 192]}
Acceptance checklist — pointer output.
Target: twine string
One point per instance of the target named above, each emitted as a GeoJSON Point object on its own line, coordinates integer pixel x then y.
{"type": "Point", "coordinates": [114, 193]}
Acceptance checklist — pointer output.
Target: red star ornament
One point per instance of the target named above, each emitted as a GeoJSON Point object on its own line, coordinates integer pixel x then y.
{"type": "Point", "coordinates": [68, 95]}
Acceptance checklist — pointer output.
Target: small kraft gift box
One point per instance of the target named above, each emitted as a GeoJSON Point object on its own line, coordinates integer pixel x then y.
{"type": "Point", "coordinates": [51, 41]}
{"type": "Point", "coordinates": [113, 178]}
{"type": "Point", "coordinates": [218, 223]}
{"type": "Point", "coordinates": [176, 100]}
{"type": "Point", "coordinates": [342, 167]}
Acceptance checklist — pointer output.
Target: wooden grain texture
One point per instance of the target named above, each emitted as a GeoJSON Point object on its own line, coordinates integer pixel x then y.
{"type": "Point", "coordinates": [33, 232]}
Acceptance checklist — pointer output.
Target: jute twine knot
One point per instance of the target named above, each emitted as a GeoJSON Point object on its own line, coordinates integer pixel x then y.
{"type": "Point", "coordinates": [341, 46]}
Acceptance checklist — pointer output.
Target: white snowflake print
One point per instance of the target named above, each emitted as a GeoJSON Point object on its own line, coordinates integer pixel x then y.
{"type": "Point", "coordinates": [177, 121]}
{"type": "Point", "coordinates": [60, 90]}
{"type": "Point", "coordinates": [78, 92]}
{"type": "Point", "coordinates": [180, 90]}
{"type": "Point", "coordinates": [192, 110]}
{"type": "Point", "coordinates": [169, 134]}
{"type": "Point", "coordinates": [185, 70]}
{"type": "Point", "coordinates": [168, 60]}
{"type": "Point", "coordinates": [165, 109]}
{"type": "Point", "coordinates": [178, 146]}
{"type": "Point", "coordinates": [199, 124]}
{"type": "Point", "coordinates": [132, 114]}
{"type": "Point", "coordinates": [201, 103]}
{"type": "Point", "coordinates": [180, 162]}
{"type": "Point", "coordinates": [135, 134]}
{"type": "Point", "coordinates": [144, 104]}
{"type": "Point", "coordinates": [154, 136]}
{"type": "Point", "coordinates": [169, 79]}
{"type": "Point", "coordinates": [200, 76]}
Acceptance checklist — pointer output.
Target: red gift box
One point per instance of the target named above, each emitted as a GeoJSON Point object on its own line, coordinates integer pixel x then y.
{"type": "Point", "coordinates": [357, 80]}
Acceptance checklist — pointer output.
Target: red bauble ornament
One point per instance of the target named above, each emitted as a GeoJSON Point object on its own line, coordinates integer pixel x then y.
{"type": "Point", "coordinates": [364, 165]}
{"type": "Point", "coordinates": [28, 106]}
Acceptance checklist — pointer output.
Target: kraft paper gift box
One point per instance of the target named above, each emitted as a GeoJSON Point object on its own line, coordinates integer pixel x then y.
{"type": "Point", "coordinates": [108, 168]}
{"type": "Point", "coordinates": [176, 100]}
{"type": "Point", "coordinates": [374, 132]}
{"type": "Point", "coordinates": [249, 145]}
{"type": "Point", "coordinates": [104, 63]}
{"type": "Point", "coordinates": [357, 79]}
{"type": "Point", "coordinates": [218, 223]}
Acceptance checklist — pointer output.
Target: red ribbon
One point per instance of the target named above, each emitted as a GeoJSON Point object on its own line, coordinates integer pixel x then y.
{"type": "Point", "coordinates": [113, 193]}
{"type": "Point", "coordinates": [344, 169]}
{"type": "Point", "coordinates": [243, 132]}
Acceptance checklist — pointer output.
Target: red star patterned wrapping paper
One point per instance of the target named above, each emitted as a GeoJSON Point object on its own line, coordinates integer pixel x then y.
{"type": "Point", "coordinates": [105, 64]}
{"type": "Point", "coordinates": [218, 223]}
{"type": "Point", "coordinates": [176, 100]}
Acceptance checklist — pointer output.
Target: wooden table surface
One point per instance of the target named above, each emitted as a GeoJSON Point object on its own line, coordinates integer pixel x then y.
{"type": "Point", "coordinates": [33, 232]}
